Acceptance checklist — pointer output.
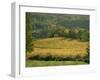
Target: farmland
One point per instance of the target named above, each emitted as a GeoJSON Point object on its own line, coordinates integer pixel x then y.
{"type": "Point", "coordinates": [56, 48]}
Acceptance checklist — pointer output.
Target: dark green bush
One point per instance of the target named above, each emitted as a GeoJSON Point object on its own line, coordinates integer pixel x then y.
{"type": "Point", "coordinates": [50, 57]}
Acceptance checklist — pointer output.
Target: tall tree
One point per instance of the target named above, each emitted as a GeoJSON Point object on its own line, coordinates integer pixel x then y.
{"type": "Point", "coordinates": [29, 44]}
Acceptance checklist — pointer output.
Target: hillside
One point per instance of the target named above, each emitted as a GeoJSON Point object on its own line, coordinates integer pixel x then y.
{"type": "Point", "coordinates": [59, 47]}
{"type": "Point", "coordinates": [43, 24]}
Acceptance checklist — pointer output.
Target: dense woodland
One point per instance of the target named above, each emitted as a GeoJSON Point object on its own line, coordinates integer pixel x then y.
{"type": "Point", "coordinates": [44, 25]}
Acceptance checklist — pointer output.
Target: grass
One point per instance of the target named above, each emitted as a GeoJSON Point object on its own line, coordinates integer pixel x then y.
{"type": "Point", "coordinates": [54, 48]}
{"type": "Point", "coordinates": [35, 63]}
{"type": "Point", "coordinates": [59, 43]}
{"type": "Point", "coordinates": [59, 47]}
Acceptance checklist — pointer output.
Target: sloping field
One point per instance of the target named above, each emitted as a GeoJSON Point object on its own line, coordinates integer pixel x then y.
{"type": "Point", "coordinates": [59, 47]}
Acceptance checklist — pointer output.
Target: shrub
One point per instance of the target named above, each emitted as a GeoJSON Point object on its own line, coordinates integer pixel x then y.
{"type": "Point", "coordinates": [50, 57]}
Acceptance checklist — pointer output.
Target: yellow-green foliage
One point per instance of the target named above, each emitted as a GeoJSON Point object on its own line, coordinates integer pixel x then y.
{"type": "Point", "coordinates": [61, 47]}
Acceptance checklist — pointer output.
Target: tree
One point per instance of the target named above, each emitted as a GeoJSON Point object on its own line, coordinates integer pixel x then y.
{"type": "Point", "coordinates": [29, 45]}
{"type": "Point", "coordinates": [83, 35]}
{"type": "Point", "coordinates": [72, 34]}
{"type": "Point", "coordinates": [52, 29]}
{"type": "Point", "coordinates": [87, 56]}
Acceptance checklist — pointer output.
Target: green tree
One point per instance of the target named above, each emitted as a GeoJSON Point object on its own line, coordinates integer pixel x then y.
{"type": "Point", "coordinates": [72, 34]}
{"type": "Point", "coordinates": [52, 29]}
{"type": "Point", "coordinates": [87, 56]}
{"type": "Point", "coordinates": [83, 35]}
{"type": "Point", "coordinates": [29, 45]}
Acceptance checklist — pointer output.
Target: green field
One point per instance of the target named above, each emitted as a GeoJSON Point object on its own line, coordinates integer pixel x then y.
{"type": "Point", "coordinates": [56, 51]}
{"type": "Point", "coordinates": [35, 63]}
